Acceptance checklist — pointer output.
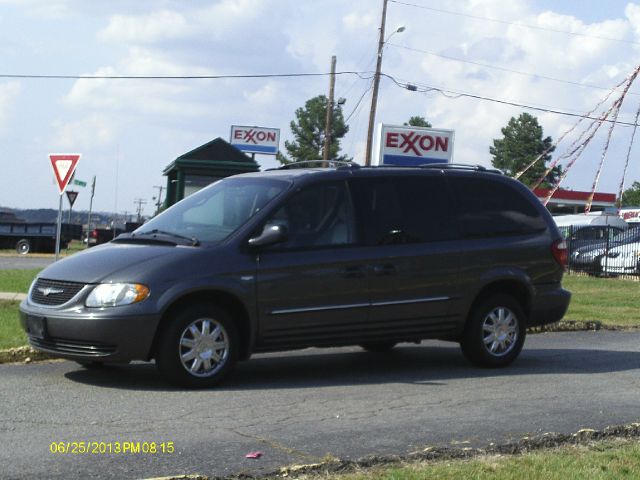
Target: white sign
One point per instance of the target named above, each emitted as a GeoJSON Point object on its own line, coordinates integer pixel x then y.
{"type": "Point", "coordinates": [412, 146]}
{"type": "Point", "coordinates": [255, 139]}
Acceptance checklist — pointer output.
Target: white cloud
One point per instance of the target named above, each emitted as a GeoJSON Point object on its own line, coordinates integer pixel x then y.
{"type": "Point", "coordinates": [147, 96]}
{"type": "Point", "coordinates": [151, 28]}
{"type": "Point", "coordinates": [9, 93]}
{"type": "Point", "coordinates": [96, 130]}
{"type": "Point", "coordinates": [264, 96]}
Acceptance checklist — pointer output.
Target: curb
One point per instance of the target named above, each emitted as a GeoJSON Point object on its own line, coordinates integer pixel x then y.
{"type": "Point", "coordinates": [527, 444]}
{"type": "Point", "coordinates": [11, 296]}
{"type": "Point", "coordinates": [581, 326]}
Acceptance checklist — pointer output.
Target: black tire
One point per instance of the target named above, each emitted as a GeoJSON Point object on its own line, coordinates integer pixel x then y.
{"type": "Point", "coordinates": [23, 246]}
{"type": "Point", "coordinates": [378, 347]}
{"type": "Point", "coordinates": [185, 360]}
{"type": "Point", "coordinates": [499, 312]}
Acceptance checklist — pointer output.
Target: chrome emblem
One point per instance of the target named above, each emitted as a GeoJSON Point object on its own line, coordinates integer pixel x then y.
{"type": "Point", "coordinates": [49, 291]}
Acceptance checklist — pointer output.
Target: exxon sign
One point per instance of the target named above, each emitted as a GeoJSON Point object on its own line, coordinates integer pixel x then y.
{"type": "Point", "coordinates": [411, 146]}
{"type": "Point", "coordinates": [255, 139]}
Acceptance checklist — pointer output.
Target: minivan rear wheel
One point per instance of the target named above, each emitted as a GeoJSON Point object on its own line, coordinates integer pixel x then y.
{"type": "Point", "coordinates": [495, 332]}
{"type": "Point", "coordinates": [198, 347]}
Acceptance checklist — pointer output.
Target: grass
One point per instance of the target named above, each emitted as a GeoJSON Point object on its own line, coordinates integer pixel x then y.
{"type": "Point", "coordinates": [17, 280]}
{"type": "Point", "coordinates": [11, 335]}
{"type": "Point", "coordinates": [603, 461]}
{"type": "Point", "coordinates": [611, 301]}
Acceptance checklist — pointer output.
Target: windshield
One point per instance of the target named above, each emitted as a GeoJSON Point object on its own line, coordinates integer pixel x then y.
{"type": "Point", "coordinates": [632, 234]}
{"type": "Point", "coordinates": [214, 213]}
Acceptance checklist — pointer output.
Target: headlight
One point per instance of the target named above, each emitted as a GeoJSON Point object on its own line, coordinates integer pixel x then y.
{"type": "Point", "coordinates": [116, 294]}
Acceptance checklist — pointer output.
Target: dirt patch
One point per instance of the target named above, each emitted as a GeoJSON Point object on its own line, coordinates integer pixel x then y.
{"type": "Point", "coordinates": [22, 355]}
{"type": "Point", "coordinates": [580, 326]}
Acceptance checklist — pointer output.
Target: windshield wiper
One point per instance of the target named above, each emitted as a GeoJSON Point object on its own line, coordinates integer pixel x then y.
{"type": "Point", "coordinates": [193, 241]}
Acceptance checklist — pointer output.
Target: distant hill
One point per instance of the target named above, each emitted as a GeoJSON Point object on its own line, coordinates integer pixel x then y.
{"type": "Point", "coordinates": [50, 215]}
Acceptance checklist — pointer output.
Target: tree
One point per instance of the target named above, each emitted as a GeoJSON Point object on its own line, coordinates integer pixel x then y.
{"type": "Point", "coordinates": [522, 143]}
{"type": "Point", "coordinates": [416, 121]}
{"type": "Point", "coordinates": [309, 132]}
{"type": "Point", "coordinates": [631, 196]}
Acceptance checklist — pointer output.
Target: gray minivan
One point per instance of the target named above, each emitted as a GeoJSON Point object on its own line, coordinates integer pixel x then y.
{"type": "Point", "coordinates": [310, 257]}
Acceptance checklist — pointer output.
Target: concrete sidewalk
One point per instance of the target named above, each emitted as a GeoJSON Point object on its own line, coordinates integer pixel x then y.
{"type": "Point", "coordinates": [12, 296]}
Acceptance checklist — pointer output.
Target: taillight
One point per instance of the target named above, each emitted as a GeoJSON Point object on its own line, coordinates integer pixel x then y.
{"type": "Point", "coordinates": [94, 234]}
{"type": "Point", "coordinates": [560, 252]}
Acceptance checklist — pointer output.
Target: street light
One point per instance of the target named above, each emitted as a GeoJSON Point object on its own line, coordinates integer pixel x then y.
{"type": "Point", "coordinates": [400, 29]}
{"type": "Point", "coordinates": [376, 81]}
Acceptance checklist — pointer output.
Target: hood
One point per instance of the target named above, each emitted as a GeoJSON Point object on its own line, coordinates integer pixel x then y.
{"type": "Point", "coordinates": [106, 262]}
{"type": "Point", "coordinates": [626, 248]}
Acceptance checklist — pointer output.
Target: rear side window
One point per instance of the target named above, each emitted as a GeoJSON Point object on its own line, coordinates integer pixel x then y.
{"type": "Point", "coordinates": [395, 210]}
{"type": "Point", "coordinates": [489, 208]}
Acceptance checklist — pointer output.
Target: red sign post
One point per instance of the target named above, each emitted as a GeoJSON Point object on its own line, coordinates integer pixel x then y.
{"type": "Point", "coordinates": [63, 164]}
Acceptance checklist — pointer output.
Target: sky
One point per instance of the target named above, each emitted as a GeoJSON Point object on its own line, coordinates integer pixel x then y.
{"type": "Point", "coordinates": [554, 55]}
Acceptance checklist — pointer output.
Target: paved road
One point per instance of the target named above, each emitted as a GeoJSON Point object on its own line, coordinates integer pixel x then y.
{"type": "Point", "coordinates": [24, 262]}
{"type": "Point", "coordinates": [299, 406]}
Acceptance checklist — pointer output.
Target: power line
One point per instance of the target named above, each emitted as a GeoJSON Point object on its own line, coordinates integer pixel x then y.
{"type": "Point", "coordinates": [517, 24]}
{"type": "Point", "coordinates": [359, 102]}
{"type": "Point", "coordinates": [452, 94]}
{"type": "Point", "coordinates": [362, 75]}
{"type": "Point", "coordinates": [503, 69]}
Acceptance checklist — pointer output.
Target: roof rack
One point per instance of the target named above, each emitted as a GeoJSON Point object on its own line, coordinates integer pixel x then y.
{"type": "Point", "coordinates": [338, 164]}
{"type": "Point", "coordinates": [461, 166]}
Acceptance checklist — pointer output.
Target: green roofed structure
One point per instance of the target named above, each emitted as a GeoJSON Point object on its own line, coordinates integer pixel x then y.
{"type": "Point", "coordinates": [202, 166]}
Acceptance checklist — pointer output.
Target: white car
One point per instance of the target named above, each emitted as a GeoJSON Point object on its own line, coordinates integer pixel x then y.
{"type": "Point", "coordinates": [623, 259]}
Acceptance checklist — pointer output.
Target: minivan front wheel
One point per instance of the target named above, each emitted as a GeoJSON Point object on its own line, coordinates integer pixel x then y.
{"type": "Point", "coordinates": [198, 347]}
{"type": "Point", "coordinates": [495, 332]}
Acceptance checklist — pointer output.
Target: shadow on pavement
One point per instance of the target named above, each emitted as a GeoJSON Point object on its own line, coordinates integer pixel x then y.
{"type": "Point", "coordinates": [313, 368]}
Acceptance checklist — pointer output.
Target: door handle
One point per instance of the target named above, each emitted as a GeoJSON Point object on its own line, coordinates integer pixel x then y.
{"type": "Point", "coordinates": [354, 271]}
{"type": "Point", "coordinates": [385, 269]}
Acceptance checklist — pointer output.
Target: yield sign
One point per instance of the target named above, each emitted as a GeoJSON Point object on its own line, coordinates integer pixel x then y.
{"type": "Point", "coordinates": [71, 196]}
{"type": "Point", "coordinates": [64, 164]}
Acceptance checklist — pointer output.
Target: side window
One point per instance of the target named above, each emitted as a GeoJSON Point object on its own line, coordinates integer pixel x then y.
{"type": "Point", "coordinates": [318, 216]}
{"type": "Point", "coordinates": [612, 232]}
{"type": "Point", "coordinates": [488, 208]}
{"type": "Point", "coordinates": [403, 209]}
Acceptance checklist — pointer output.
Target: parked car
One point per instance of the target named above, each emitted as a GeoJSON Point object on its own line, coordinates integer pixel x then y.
{"type": "Point", "coordinates": [297, 258]}
{"type": "Point", "coordinates": [98, 236]}
{"type": "Point", "coordinates": [593, 219]}
{"type": "Point", "coordinates": [587, 258]}
{"type": "Point", "coordinates": [582, 230]}
{"type": "Point", "coordinates": [622, 260]}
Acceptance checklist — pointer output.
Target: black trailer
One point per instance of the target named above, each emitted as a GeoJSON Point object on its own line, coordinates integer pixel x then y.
{"type": "Point", "coordinates": [36, 237]}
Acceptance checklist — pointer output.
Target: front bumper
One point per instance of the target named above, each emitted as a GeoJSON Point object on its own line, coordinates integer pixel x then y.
{"type": "Point", "coordinates": [549, 305]}
{"type": "Point", "coordinates": [111, 335]}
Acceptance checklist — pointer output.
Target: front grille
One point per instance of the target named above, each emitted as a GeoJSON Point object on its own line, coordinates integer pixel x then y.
{"type": "Point", "coordinates": [62, 346]}
{"type": "Point", "coordinates": [54, 292]}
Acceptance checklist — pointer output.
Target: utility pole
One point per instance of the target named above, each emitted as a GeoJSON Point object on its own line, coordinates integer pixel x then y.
{"type": "Point", "coordinates": [140, 202]}
{"type": "Point", "coordinates": [93, 191]}
{"type": "Point", "coordinates": [376, 84]}
{"type": "Point", "coordinates": [159, 197]}
{"type": "Point", "coordinates": [327, 129]}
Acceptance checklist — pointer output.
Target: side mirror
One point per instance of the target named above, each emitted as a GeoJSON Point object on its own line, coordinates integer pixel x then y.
{"type": "Point", "coordinates": [270, 236]}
